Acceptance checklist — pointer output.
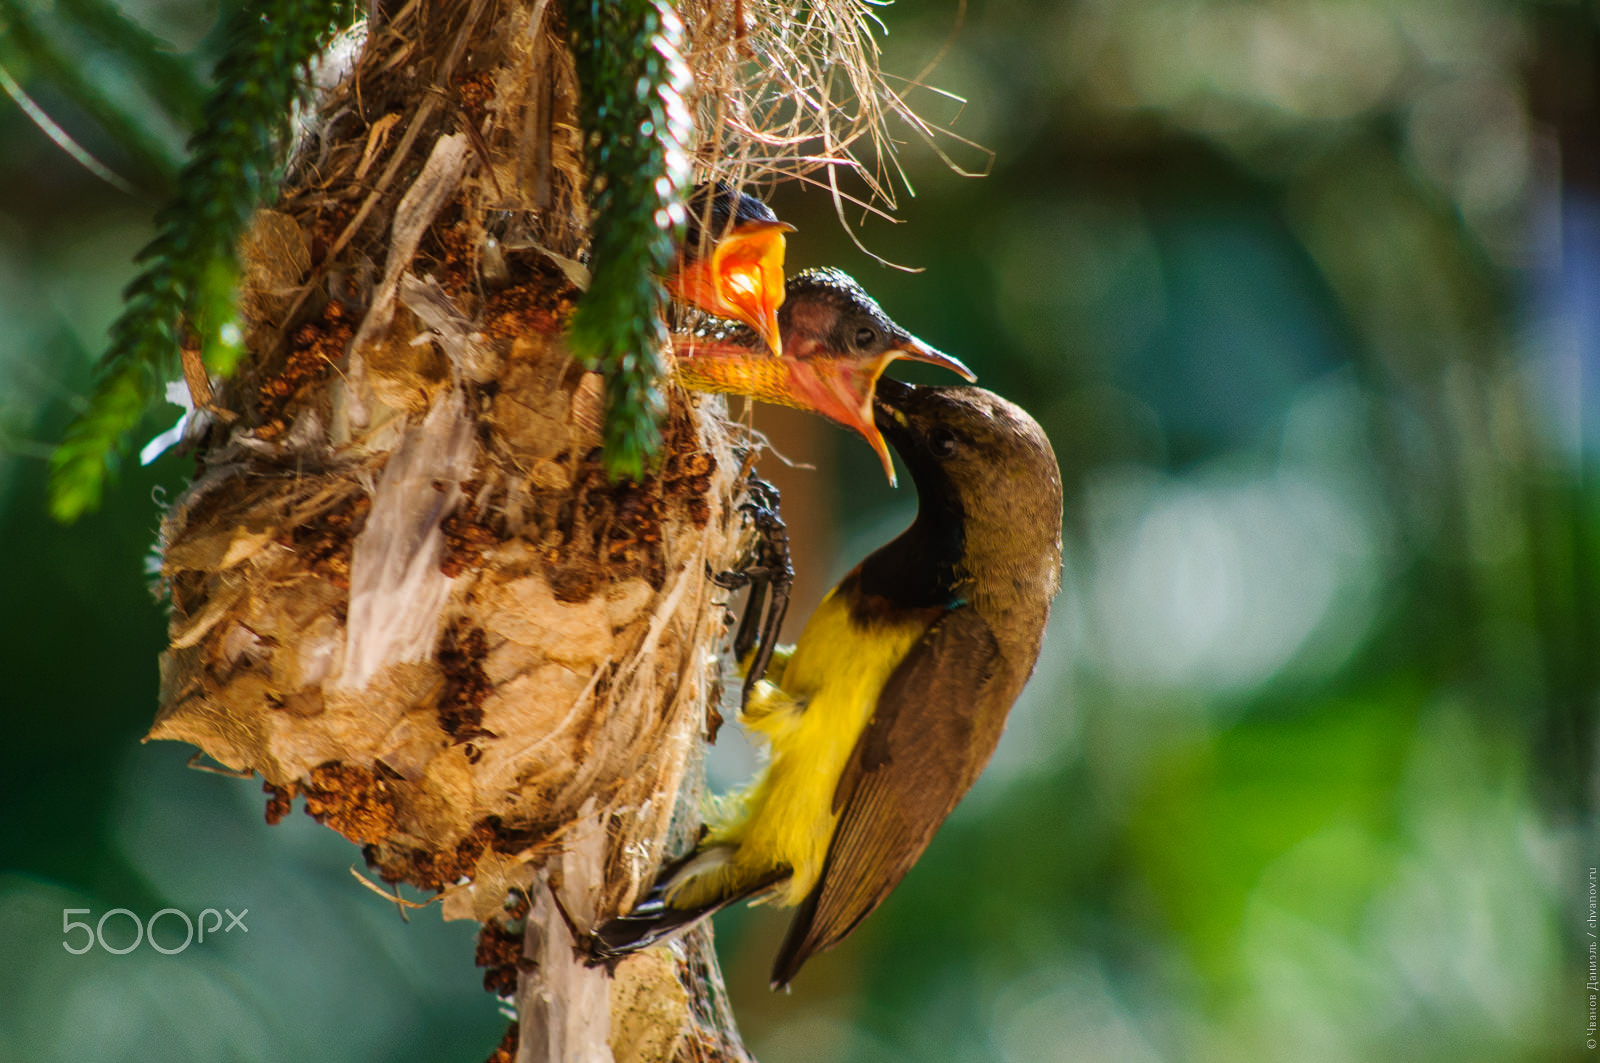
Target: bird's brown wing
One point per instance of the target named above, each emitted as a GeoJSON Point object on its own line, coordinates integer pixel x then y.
{"type": "Point", "coordinates": [934, 727]}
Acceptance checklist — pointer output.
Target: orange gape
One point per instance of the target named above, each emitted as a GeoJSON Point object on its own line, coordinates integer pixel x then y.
{"type": "Point", "coordinates": [730, 263]}
{"type": "Point", "coordinates": [741, 277]}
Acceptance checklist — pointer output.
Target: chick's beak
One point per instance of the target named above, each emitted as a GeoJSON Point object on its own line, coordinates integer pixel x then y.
{"type": "Point", "coordinates": [914, 350]}
{"type": "Point", "coordinates": [747, 277]}
{"type": "Point", "coordinates": [844, 389]}
{"type": "Point", "coordinates": [910, 349]}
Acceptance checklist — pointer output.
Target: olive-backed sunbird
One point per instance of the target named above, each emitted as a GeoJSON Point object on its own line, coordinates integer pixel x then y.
{"type": "Point", "coordinates": [882, 715]}
{"type": "Point", "coordinates": [837, 341]}
{"type": "Point", "coordinates": [730, 263]}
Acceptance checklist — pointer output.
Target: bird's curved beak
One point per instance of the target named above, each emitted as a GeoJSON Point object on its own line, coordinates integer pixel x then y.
{"type": "Point", "coordinates": [747, 277]}
{"type": "Point", "coordinates": [914, 350]}
{"type": "Point", "coordinates": [888, 403]}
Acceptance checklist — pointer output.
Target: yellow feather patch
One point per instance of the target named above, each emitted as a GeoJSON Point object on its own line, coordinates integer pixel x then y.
{"type": "Point", "coordinates": [811, 718]}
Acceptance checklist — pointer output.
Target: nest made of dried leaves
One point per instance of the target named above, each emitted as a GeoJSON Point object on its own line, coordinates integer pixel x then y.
{"type": "Point", "coordinates": [402, 589]}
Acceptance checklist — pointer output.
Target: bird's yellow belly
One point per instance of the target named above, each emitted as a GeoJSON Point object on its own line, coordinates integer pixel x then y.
{"type": "Point", "coordinates": [811, 717]}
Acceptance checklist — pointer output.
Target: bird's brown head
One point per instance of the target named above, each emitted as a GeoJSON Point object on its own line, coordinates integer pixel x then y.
{"type": "Point", "coordinates": [826, 313]}
{"type": "Point", "coordinates": [836, 343]}
{"type": "Point", "coordinates": [845, 341]}
{"type": "Point", "coordinates": [982, 461]}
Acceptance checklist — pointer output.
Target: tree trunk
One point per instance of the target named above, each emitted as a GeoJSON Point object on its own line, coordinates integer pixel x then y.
{"type": "Point", "coordinates": [402, 586]}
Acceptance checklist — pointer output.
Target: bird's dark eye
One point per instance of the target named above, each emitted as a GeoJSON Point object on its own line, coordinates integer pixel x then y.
{"type": "Point", "coordinates": [942, 442]}
{"type": "Point", "coordinates": [866, 336]}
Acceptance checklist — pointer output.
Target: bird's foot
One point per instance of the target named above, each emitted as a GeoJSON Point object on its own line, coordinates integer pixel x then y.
{"type": "Point", "coordinates": [769, 573]}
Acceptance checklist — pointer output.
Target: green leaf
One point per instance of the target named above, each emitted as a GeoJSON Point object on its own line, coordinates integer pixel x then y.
{"type": "Point", "coordinates": [192, 266]}
{"type": "Point", "coordinates": [632, 77]}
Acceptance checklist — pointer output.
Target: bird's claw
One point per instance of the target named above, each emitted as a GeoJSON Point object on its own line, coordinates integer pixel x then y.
{"type": "Point", "coordinates": [769, 573]}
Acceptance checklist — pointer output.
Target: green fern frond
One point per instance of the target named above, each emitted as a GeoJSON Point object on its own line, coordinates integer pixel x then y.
{"type": "Point", "coordinates": [632, 78]}
{"type": "Point", "coordinates": [193, 261]}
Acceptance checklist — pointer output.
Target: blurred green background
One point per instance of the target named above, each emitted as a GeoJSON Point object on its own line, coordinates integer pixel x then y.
{"type": "Point", "coordinates": [1307, 295]}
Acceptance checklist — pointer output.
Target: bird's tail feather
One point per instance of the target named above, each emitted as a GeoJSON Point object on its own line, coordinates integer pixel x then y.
{"type": "Point", "coordinates": [650, 922]}
{"type": "Point", "coordinates": [655, 918]}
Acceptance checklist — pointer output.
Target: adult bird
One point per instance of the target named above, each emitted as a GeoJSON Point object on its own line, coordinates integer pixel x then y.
{"type": "Point", "coordinates": [837, 342]}
{"type": "Point", "coordinates": [884, 712]}
{"type": "Point", "coordinates": [730, 262]}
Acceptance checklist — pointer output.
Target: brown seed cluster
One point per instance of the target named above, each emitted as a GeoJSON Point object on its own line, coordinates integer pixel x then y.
{"type": "Point", "coordinates": [542, 304]}
{"type": "Point", "coordinates": [612, 531]}
{"type": "Point", "coordinates": [466, 685]}
{"type": "Point", "coordinates": [351, 799]}
{"type": "Point", "coordinates": [327, 224]}
{"type": "Point", "coordinates": [433, 870]}
{"type": "Point", "coordinates": [316, 347]}
{"type": "Point", "coordinates": [499, 952]}
{"type": "Point", "coordinates": [453, 245]}
{"type": "Point", "coordinates": [465, 539]}
{"type": "Point", "coordinates": [280, 801]}
{"type": "Point", "coordinates": [323, 543]}
{"type": "Point", "coordinates": [688, 476]}
{"type": "Point", "coordinates": [475, 91]}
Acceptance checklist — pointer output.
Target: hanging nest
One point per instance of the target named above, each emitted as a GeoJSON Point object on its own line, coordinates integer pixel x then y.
{"type": "Point", "coordinates": [403, 587]}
